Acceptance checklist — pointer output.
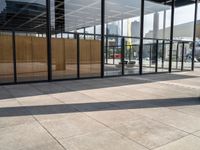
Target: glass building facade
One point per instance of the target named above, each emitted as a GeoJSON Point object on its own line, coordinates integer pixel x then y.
{"type": "Point", "coordinates": [48, 40]}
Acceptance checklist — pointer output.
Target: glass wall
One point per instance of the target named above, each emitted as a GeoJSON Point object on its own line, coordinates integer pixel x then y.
{"type": "Point", "coordinates": [197, 48]}
{"type": "Point", "coordinates": [31, 57]}
{"type": "Point", "coordinates": [157, 25]}
{"type": "Point", "coordinates": [184, 20]}
{"type": "Point", "coordinates": [163, 55]}
{"type": "Point", "coordinates": [78, 19]}
{"type": "Point", "coordinates": [122, 19]}
{"type": "Point", "coordinates": [177, 56]}
{"type": "Point", "coordinates": [75, 28]}
{"type": "Point", "coordinates": [157, 19]}
{"type": "Point", "coordinates": [6, 57]}
{"type": "Point", "coordinates": [131, 56]}
{"type": "Point", "coordinates": [28, 20]}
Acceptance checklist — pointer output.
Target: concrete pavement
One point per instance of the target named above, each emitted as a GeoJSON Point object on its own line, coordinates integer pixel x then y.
{"type": "Point", "coordinates": [150, 112]}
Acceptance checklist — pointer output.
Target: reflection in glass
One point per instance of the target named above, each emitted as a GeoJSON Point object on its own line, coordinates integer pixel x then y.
{"type": "Point", "coordinates": [157, 19]}
{"type": "Point", "coordinates": [82, 17]}
{"type": "Point", "coordinates": [180, 24]}
{"type": "Point", "coordinates": [197, 45]}
{"type": "Point", "coordinates": [6, 57]}
{"type": "Point", "coordinates": [149, 56]}
{"type": "Point", "coordinates": [163, 55]}
{"type": "Point", "coordinates": [31, 57]}
{"type": "Point", "coordinates": [122, 20]}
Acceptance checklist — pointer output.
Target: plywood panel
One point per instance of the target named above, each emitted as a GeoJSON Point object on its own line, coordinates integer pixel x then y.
{"type": "Point", "coordinates": [31, 55]}
{"type": "Point", "coordinates": [95, 57]}
{"type": "Point", "coordinates": [23, 54]}
{"type": "Point", "coordinates": [23, 49]}
{"type": "Point", "coordinates": [6, 49]}
{"type": "Point", "coordinates": [85, 54]}
{"type": "Point", "coordinates": [85, 57]}
{"type": "Point", "coordinates": [6, 59]}
{"type": "Point", "coordinates": [39, 47]}
{"type": "Point", "coordinates": [95, 51]}
{"type": "Point", "coordinates": [71, 57]}
{"type": "Point", "coordinates": [70, 51]}
{"type": "Point", "coordinates": [58, 53]}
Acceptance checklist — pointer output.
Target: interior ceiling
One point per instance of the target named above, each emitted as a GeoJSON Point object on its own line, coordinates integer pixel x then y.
{"type": "Point", "coordinates": [31, 14]}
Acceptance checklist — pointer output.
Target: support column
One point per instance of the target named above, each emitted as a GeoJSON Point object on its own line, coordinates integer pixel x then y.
{"type": "Point", "coordinates": [194, 37]}
{"type": "Point", "coordinates": [171, 36]}
{"type": "Point", "coordinates": [141, 36]}
{"type": "Point", "coordinates": [78, 55]}
{"type": "Point", "coordinates": [14, 57]}
{"type": "Point", "coordinates": [102, 35]}
{"type": "Point", "coordinates": [122, 54]}
{"type": "Point", "coordinates": [48, 32]}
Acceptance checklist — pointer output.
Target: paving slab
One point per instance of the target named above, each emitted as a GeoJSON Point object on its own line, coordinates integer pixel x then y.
{"type": "Point", "coordinates": [113, 117]}
{"type": "Point", "coordinates": [107, 140]}
{"type": "Point", "coordinates": [187, 143]}
{"type": "Point", "coordinates": [160, 111]}
{"type": "Point", "coordinates": [150, 133]}
{"type": "Point", "coordinates": [72, 125]}
{"type": "Point", "coordinates": [27, 137]}
{"type": "Point", "coordinates": [197, 133]}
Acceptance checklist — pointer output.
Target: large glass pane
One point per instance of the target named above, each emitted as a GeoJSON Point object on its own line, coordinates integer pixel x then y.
{"type": "Point", "coordinates": [131, 57]}
{"type": "Point", "coordinates": [187, 58]}
{"type": "Point", "coordinates": [184, 20]}
{"type": "Point", "coordinates": [6, 57]}
{"type": "Point", "coordinates": [197, 48]}
{"type": "Point", "coordinates": [157, 19]}
{"type": "Point", "coordinates": [163, 55]}
{"type": "Point", "coordinates": [64, 56]}
{"type": "Point", "coordinates": [70, 19]}
{"type": "Point", "coordinates": [122, 19]}
{"type": "Point", "coordinates": [157, 25]}
{"type": "Point", "coordinates": [177, 56]}
{"type": "Point", "coordinates": [27, 17]}
{"type": "Point", "coordinates": [28, 20]}
{"type": "Point", "coordinates": [149, 56]}
{"type": "Point", "coordinates": [113, 56]}
{"type": "Point", "coordinates": [184, 28]}
{"type": "Point", "coordinates": [31, 57]}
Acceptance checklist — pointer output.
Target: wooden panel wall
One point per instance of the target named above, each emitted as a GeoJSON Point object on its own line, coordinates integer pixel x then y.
{"type": "Point", "coordinates": [6, 59]}
{"type": "Point", "coordinates": [70, 51]}
{"type": "Point", "coordinates": [23, 49]}
{"type": "Point", "coordinates": [58, 53]}
{"type": "Point", "coordinates": [31, 54]}
{"type": "Point", "coordinates": [39, 48]}
{"type": "Point", "coordinates": [6, 49]}
{"type": "Point", "coordinates": [85, 57]}
{"type": "Point", "coordinates": [90, 57]}
{"type": "Point", "coordinates": [96, 57]}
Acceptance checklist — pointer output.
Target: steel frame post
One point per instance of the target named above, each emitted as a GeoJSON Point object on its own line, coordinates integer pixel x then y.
{"type": "Point", "coordinates": [14, 57]}
{"type": "Point", "coordinates": [183, 55]}
{"type": "Point", "coordinates": [122, 54]}
{"type": "Point", "coordinates": [171, 36]}
{"type": "Point", "coordinates": [194, 35]}
{"type": "Point", "coordinates": [102, 36]}
{"type": "Point", "coordinates": [156, 65]}
{"type": "Point", "coordinates": [141, 37]}
{"type": "Point", "coordinates": [78, 55]}
{"type": "Point", "coordinates": [48, 32]}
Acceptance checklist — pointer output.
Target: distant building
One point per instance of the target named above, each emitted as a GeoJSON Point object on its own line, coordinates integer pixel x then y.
{"type": "Point", "coordinates": [180, 31]}
{"type": "Point", "coordinates": [135, 29]}
{"type": "Point", "coordinates": [113, 29]}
